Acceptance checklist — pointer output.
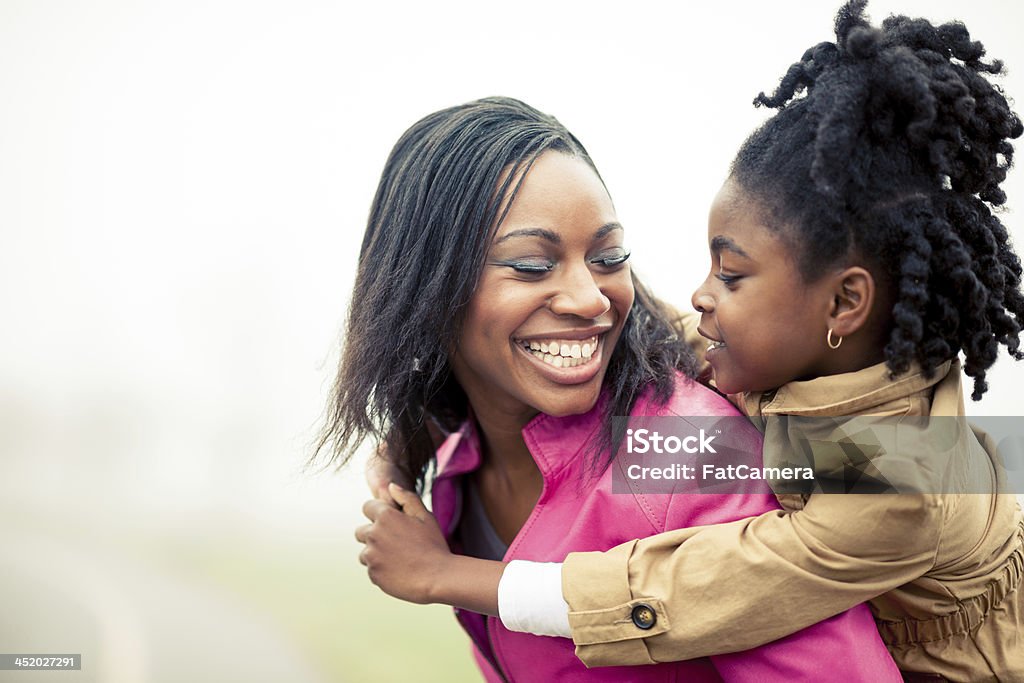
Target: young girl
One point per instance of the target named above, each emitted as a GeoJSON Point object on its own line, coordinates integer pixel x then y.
{"type": "Point", "coordinates": [494, 300]}
{"type": "Point", "coordinates": [855, 255]}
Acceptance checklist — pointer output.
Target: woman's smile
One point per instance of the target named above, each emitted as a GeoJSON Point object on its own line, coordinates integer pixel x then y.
{"type": "Point", "coordinates": [564, 359]}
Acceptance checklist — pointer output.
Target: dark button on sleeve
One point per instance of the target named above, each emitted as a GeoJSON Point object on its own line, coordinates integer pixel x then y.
{"type": "Point", "coordinates": [644, 616]}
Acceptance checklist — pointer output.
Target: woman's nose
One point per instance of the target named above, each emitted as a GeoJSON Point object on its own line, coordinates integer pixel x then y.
{"type": "Point", "coordinates": [580, 295]}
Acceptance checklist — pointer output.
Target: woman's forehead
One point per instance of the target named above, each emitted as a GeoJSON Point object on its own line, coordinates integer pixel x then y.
{"type": "Point", "coordinates": [557, 191]}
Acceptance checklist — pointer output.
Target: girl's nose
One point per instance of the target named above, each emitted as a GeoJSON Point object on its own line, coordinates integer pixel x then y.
{"type": "Point", "coordinates": [702, 300]}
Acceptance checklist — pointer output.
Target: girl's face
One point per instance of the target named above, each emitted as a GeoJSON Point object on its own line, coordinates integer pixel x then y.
{"type": "Point", "coordinates": [766, 325]}
{"type": "Point", "coordinates": [552, 299]}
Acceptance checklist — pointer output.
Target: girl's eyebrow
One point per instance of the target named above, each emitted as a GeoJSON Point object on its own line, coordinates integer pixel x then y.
{"type": "Point", "coordinates": [552, 236]}
{"type": "Point", "coordinates": [722, 243]}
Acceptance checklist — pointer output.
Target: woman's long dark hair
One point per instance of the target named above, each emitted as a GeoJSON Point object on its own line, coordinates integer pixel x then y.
{"type": "Point", "coordinates": [445, 188]}
{"type": "Point", "coordinates": [890, 145]}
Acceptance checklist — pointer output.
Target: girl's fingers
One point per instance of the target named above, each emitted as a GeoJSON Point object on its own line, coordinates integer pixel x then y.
{"type": "Point", "coordinates": [385, 495]}
{"type": "Point", "coordinates": [372, 509]}
{"type": "Point", "coordinates": [363, 533]}
{"type": "Point", "coordinates": [410, 503]}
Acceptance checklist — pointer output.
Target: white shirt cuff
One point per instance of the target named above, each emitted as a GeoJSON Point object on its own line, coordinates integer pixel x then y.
{"type": "Point", "coordinates": [530, 599]}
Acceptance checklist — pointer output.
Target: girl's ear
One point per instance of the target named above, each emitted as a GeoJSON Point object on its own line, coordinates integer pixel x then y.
{"type": "Point", "coordinates": [853, 296]}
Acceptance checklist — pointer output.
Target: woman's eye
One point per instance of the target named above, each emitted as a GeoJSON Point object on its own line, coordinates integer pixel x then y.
{"type": "Point", "coordinates": [612, 259]}
{"type": "Point", "coordinates": [529, 266]}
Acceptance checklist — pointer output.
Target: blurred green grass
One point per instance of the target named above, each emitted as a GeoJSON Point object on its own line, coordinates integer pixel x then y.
{"type": "Point", "coordinates": [311, 587]}
{"type": "Point", "coordinates": [320, 597]}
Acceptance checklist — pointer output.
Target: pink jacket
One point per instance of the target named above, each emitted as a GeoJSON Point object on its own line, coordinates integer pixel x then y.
{"type": "Point", "coordinates": [577, 514]}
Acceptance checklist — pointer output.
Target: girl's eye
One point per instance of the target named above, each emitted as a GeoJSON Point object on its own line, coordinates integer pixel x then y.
{"type": "Point", "coordinates": [729, 280]}
{"type": "Point", "coordinates": [611, 259]}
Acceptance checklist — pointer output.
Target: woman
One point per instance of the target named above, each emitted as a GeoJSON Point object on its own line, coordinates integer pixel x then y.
{"type": "Point", "coordinates": [494, 304]}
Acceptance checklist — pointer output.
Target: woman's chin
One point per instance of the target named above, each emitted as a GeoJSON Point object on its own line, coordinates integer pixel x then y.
{"type": "Point", "coordinates": [563, 406]}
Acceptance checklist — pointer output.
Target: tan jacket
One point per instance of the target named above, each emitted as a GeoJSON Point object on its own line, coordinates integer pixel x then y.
{"type": "Point", "coordinates": [941, 571]}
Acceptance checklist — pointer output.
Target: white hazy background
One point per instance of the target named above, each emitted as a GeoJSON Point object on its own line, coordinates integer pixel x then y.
{"type": "Point", "coordinates": [183, 189]}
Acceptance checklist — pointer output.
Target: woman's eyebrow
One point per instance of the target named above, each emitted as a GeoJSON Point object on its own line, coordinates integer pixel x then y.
{"type": "Point", "coordinates": [552, 236]}
{"type": "Point", "coordinates": [721, 243]}
{"type": "Point", "coordinates": [531, 232]}
{"type": "Point", "coordinates": [606, 228]}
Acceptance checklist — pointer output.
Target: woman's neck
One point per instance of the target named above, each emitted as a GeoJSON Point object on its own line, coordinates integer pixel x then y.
{"type": "Point", "coordinates": [509, 480]}
{"type": "Point", "coordinates": [501, 438]}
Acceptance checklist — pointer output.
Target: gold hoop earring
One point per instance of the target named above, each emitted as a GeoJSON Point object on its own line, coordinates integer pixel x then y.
{"type": "Point", "coordinates": [828, 340]}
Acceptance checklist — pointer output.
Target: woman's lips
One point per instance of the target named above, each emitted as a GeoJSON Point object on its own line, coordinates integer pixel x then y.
{"type": "Point", "coordinates": [559, 353]}
{"type": "Point", "coordinates": [565, 361]}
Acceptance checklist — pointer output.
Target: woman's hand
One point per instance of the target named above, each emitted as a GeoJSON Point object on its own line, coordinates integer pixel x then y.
{"type": "Point", "coordinates": [405, 551]}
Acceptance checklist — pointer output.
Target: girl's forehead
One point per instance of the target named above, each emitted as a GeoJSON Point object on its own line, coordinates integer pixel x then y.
{"type": "Point", "coordinates": [736, 223]}
{"type": "Point", "coordinates": [733, 202]}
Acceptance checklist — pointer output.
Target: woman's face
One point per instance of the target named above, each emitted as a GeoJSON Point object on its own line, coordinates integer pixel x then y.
{"type": "Point", "coordinates": [552, 299]}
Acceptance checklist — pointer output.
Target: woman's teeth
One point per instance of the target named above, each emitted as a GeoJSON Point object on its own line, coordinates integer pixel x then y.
{"type": "Point", "coordinates": [563, 353]}
{"type": "Point", "coordinates": [715, 345]}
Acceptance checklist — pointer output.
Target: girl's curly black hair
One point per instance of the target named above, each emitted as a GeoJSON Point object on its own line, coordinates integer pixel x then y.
{"type": "Point", "coordinates": [445, 188]}
{"type": "Point", "coordinates": [889, 146]}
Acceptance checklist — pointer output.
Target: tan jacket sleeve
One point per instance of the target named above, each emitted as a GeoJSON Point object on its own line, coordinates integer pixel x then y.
{"type": "Point", "coordinates": [730, 587]}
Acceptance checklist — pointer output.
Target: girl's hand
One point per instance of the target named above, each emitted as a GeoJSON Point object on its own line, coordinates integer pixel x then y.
{"type": "Point", "coordinates": [405, 552]}
{"type": "Point", "coordinates": [381, 470]}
